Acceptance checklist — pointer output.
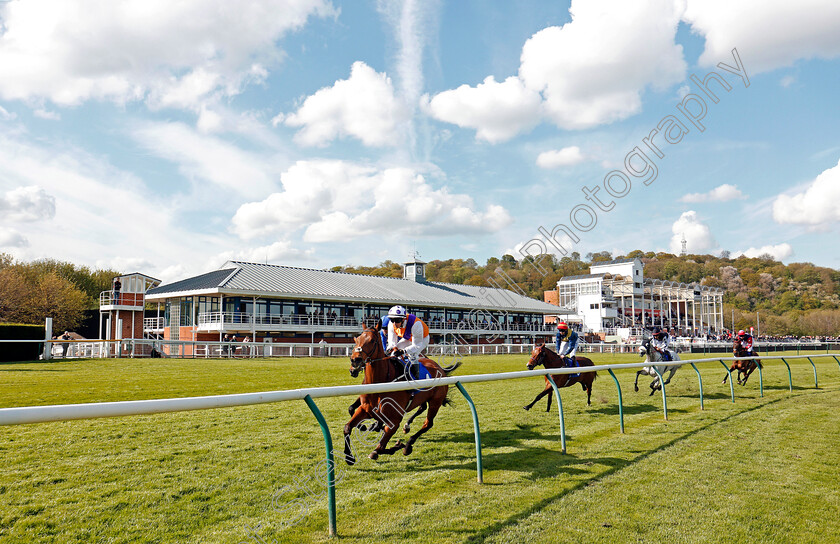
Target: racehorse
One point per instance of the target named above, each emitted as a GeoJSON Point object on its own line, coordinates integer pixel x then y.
{"type": "Point", "coordinates": [654, 356]}
{"type": "Point", "coordinates": [389, 408]}
{"type": "Point", "coordinates": [541, 355]}
{"type": "Point", "coordinates": [744, 366]}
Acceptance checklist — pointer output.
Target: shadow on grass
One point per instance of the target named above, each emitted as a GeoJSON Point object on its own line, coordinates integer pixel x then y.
{"type": "Point", "coordinates": [34, 370]}
{"type": "Point", "coordinates": [615, 466]}
{"type": "Point", "coordinates": [632, 409]}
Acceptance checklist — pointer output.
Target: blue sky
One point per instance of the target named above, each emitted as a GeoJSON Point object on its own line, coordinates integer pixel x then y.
{"type": "Point", "coordinates": [168, 138]}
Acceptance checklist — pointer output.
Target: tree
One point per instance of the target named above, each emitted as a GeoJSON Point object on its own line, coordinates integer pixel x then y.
{"type": "Point", "coordinates": [54, 296]}
{"type": "Point", "coordinates": [29, 298]}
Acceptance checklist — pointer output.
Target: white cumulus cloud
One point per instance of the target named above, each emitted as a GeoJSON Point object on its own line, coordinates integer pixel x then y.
{"type": "Point", "coordinates": [698, 235]}
{"type": "Point", "coordinates": [589, 72]}
{"type": "Point", "coordinates": [498, 111]}
{"type": "Point", "coordinates": [568, 156]}
{"type": "Point", "coordinates": [779, 252]}
{"type": "Point", "coordinates": [174, 53]}
{"type": "Point", "coordinates": [338, 200]}
{"type": "Point", "coordinates": [816, 206]}
{"type": "Point", "coordinates": [593, 70]}
{"type": "Point", "coordinates": [10, 238]}
{"type": "Point", "coordinates": [363, 106]}
{"type": "Point", "coordinates": [721, 193]}
{"type": "Point", "coordinates": [27, 204]}
{"type": "Point", "coordinates": [768, 35]}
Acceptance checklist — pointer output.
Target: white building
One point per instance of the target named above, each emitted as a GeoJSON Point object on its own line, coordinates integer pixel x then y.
{"type": "Point", "coordinates": [615, 298]}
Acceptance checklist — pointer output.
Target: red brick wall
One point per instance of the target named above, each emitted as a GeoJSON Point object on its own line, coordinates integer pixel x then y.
{"type": "Point", "coordinates": [127, 331]}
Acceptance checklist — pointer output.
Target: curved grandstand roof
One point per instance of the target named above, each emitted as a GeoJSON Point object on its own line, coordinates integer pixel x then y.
{"type": "Point", "coordinates": [254, 279]}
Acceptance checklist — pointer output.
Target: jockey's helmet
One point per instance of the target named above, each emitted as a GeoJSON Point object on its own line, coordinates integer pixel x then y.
{"type": "Point", "coordinates": [563, 328]}
{"type": "Point", "coordinates": [397, 312]}
{"type": "Point", "coordinates": [742, 333]}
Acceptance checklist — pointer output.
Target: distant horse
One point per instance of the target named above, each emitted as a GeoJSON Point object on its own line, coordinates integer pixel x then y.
{"type": "Point", "coordinates": [541, 355]}
{"type": "Point", "coordinates": [389, 408]}
{"type": "Point", "coordinates": [654, 356]}
{"type": "Point", "coordinates": [745, 367]}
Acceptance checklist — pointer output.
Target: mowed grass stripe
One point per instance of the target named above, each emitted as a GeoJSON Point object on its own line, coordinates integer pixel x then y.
{"type": "Point", "coordinates": [208, 476]}
{"type": "Point", "coordinates": [768, 474]}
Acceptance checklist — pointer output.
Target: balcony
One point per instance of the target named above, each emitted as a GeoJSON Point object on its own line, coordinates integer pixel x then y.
{"type": "Point", "coordinates": [241, 321]}
{"type": "Point", "coordinates": [109, 300]}
{"type": "Point", "coordinates": [154, 324]}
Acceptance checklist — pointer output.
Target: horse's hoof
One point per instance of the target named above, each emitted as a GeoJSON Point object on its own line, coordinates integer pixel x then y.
{"type": "Point", "coordinates": [363, 428]}
{"type": "Point", "coordinates": [407, 449]}
{"type": "Point", "coordinates": [374, 455]}
{"type": "Point", "coordinates": [350, 460]}
{"type": "Point", "coordinates": [526, 408]}
{"type": "Point", "coordinates": [406, 429]}
{"type": "Point", "coordinates": [637, 388]}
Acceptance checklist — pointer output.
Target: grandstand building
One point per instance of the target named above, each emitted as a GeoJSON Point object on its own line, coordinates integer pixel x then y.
{"type": "Point", "coordinates": [274, 303]}
{"type": "Point", "coordinates": [615, 298]}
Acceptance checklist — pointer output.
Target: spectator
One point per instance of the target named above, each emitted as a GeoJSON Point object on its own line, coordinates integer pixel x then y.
{"type": "Point", "coordinates": [117, 287]}
{"type": "Point", "coordinates": [65, 346]}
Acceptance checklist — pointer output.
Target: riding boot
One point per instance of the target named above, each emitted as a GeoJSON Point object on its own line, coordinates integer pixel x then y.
{"type": "Point", "coordinates": [572, 362]}
{"type": "Point", "coordinates": [414, 374]}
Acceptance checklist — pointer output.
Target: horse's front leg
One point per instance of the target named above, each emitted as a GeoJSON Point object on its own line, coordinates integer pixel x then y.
{"type": "Point", "coordinates": [358, 417]}
{"type": "Point", "coordinates": [671, 373]}
{"type": "Point", "coordinates": [352, 408]}
{"type": "Point", "coordinates": [728, 375]}
{"type": "Point", "coordinates": [537, 398]}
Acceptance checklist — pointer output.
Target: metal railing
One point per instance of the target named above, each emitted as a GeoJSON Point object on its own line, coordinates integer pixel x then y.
{"type": "Point", "coordinates": [113, 298]}
{"type": "Point", "coordinates": [213, 320]}
{"type": "Point", "coordinates": [154, 323]}
{"type": "Point", "coordinates": [39, 414]}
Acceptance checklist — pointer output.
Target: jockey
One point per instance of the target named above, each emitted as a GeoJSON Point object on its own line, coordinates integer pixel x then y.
{"type": "Point", "coordinates": [407, 334]}
{"type": "Point", "coordinates": [661, 342]}
{"type": "Point", "coordinates": [746, 341]}
{"type": "Point", "coordinates": [566, 341]}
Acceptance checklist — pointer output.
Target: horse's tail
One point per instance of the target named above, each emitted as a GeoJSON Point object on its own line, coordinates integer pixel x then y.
{"type": "Point", "coordinates": [448, 401]}
{"type": "Point", "coordinates": [449, 370]}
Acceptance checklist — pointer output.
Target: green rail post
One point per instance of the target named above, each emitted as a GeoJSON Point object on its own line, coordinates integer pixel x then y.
{"type": "Point", "coordinates": [790, 378]}
{"type": "Point", "coordinates": [330, 462]}
{"type": "Point", "coordinates": [731, 388]}
{"type": "Point", "coordinates": [560, 408]}
{"type": "Point", "coordinates": [816, 385]}
{"type": "Point", "coordinates": [620, 403]}
{"type": "Point", "coordinates": [662, 388]}
{"type": "Point", "coordinates": [699, 381]}
{"type": "Point", "coordinates": [836, 359]}
{"type": "Point", "coordinates": [760, 378]}
{"type": "Point", "coordinates": [476, 430]}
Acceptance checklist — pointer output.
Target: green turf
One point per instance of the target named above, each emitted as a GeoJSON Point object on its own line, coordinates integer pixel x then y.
{"type": "Point", "coordinates": [758, 470]}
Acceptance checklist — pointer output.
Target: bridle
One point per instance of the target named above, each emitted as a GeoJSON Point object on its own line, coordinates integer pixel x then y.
{"type": "Point", "coordinates": [537, 360]}
{"type": "Point", "coordinates": [358, 362]}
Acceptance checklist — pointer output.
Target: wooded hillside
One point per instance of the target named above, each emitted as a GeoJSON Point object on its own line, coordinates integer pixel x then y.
{"type": "Point", "coordinates": [798, 298]}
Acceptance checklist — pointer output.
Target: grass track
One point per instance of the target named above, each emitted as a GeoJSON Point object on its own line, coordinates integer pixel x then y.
{"type": "Point", "coordinates": [759, 470]}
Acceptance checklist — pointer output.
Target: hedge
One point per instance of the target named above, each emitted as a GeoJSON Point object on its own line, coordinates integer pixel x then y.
{"type": "Point", "coordinates": [24, 351]}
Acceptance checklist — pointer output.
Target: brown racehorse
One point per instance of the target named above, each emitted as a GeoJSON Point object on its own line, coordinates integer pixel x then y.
{"type": "Point", "coordinates": [541, 355]}
{"type": "Point", "coordinates": [389, 408]}
{"type": "Point", "coordinates": [745, 367]}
